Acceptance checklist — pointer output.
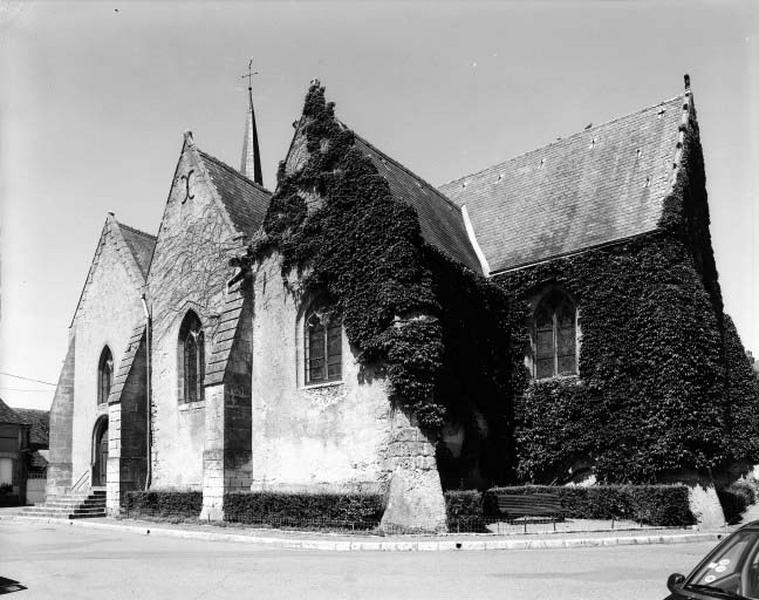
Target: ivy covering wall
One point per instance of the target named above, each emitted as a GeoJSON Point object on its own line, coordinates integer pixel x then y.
{"type": "Point", "coordinates": [436, 330]}
{"type": "Point", "coordinates": [664, 384]}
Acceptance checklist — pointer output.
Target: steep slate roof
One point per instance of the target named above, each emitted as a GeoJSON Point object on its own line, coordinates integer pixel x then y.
{"type": "Point", "coordinates": [39, 422]}
{"type": "Point", "coordinates": [603, 184]}
{"type": "Point", "coordinates": [224, 339]}
{"type": "Point", "coordinates": [8, 415]}
{"type": "Point", "coordinates": [141, 244]}
{"type": "Point", "coordinates": [441, 220]}
{"type": "Point", "coordinates": [127, 360]}
{"type": "Point", "coordinates": [246, 201]}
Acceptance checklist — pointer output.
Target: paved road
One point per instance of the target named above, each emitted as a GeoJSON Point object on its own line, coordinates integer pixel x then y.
{"type": "Point", "coordinates": [60, 562]}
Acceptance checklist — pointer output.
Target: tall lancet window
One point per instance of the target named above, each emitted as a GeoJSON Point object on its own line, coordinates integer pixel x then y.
{"type": "Point", "coordinates": [323, 338]}
{"type": "Point", "coordinates": [105, 375]}
{"type": "Point", "coordinates": [554, 336]}
{"type": "Point", "coordinates": [191, 359]}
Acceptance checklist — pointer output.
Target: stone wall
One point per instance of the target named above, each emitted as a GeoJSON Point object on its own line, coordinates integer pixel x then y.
{"type": "Point", "coordinates": [127, 429]}
{"type": "Point", "coordinates": [415, 501]}
{"type": "Point", "coordinates": [321, 437]}
{"type": "Point", "coordinates": [227, 453]}
{"type": "Point", "coordinates": [189, 271]}
{"type": "Point", "coordinates": [61, 423]}
{"type": "Point", "coordinates": [337, 436]}
{"type": "Point", "coordinates": [108, 311]}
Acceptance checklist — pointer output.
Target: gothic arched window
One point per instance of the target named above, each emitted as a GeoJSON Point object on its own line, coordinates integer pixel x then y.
{"type": "Point", "coordinates": [323, 341]}
{"type": "Point", "coordinates": [554, 336]}
{"type": "Point", "coordinates": [191, 359]}
{"type": "Point", "coordinates": [105, 375]}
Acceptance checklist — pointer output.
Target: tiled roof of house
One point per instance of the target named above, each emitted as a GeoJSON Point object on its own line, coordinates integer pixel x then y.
{"type": "Point", "coordinates": [39, 422]}
{"type": "Point", "coordinates": [441, 221]}
{"type": "Point", "coordinates": [603, 184]}
{"type": "Point", "coordinates": [8, 415]}
{"type": "Point", "coordinates": [141, 244]}
{"type": "Point", "coordinates": [246, 201]}
{"type": "Point", "coordinates": [38, 461]}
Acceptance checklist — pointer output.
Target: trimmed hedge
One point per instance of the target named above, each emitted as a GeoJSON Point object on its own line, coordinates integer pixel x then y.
{"type": "Point", "coordinates": [464, 511]}
{"type": "Point", "coordinates": [164, 503]}
{"type": "Point", "coordinates": [304, 510]}
{"type": "Point", "coordinates": [665, 505]}
{"type": "Point", "coordinates": [10, 500]}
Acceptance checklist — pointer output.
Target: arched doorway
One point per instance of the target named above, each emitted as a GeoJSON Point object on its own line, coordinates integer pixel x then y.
{"type": "Point", "coordinates": [100, 452]}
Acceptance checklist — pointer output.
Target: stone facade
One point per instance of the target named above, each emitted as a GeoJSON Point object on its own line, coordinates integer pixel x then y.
{"type": "Point", "coordinates": [189, 271]}
{"type": "Point", "coordinates": [109, 307]}
{"type": "Point", "coordinates": [328, 436]}
{"type": "Point", "coordinates": [258, 424]}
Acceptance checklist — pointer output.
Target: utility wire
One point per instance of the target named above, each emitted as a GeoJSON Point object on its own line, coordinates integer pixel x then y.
{"type": "Point", "coordinates": [26, 378]}
{"type": "Point", "coordinates": [7, 389]}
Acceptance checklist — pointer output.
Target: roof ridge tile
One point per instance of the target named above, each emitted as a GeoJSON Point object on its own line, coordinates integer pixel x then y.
{"type": "Point", "coordinates": [562, 139]}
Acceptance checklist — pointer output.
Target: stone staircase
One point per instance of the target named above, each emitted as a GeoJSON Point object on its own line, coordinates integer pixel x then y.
{"type": "Point", "coordinates": [74, 505]}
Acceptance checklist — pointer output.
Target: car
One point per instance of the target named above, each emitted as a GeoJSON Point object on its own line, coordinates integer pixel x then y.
{"type": "Point", "coordinates": [731, 570]}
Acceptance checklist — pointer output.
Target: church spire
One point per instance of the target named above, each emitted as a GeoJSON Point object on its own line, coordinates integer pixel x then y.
{"type": "Point", "coordinates": [250, 165]}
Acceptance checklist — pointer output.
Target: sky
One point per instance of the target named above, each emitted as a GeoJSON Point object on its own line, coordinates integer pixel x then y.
{"type": "Point", "coordinates": [95, 97]}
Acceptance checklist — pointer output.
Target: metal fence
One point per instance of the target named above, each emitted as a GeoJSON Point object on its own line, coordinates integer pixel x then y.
{"type": "Point", "coordinates": [303, 524]}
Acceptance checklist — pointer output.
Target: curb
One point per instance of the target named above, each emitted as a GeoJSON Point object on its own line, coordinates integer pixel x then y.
{"type": "Point", "coordinates": [392, 545]}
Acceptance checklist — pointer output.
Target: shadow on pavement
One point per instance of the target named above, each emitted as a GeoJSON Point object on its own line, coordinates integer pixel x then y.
{"type": "Point", "coordinates": [10, 585]}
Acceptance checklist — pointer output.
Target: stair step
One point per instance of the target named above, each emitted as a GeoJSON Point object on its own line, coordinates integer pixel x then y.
{"type": "Point", "coordinates": [76, 505]}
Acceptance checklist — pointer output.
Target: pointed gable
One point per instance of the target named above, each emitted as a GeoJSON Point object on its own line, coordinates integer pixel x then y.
{"type": "Point", "coordinates": [603, 184]}
{"type": "Point", "coordinates": [133, 249]}
{"type": "Point", "coordinates": [441, 221]}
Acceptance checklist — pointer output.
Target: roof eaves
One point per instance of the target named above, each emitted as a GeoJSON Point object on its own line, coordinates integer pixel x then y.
{"type": "Point", "coordinates": [599, 246]}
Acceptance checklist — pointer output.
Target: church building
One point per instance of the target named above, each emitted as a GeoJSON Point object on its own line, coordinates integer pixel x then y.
{"type": "Point", "coordinates": [551, 318]}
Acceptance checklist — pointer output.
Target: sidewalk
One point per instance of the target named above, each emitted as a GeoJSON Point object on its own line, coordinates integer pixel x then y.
{"type": "Point", "coordinates": [309, 540]}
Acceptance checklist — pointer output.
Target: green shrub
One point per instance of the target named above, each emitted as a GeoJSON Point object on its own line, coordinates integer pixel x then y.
{"type": "Point", "coordinates": [660, 504]}
{"type": "Point", "coordinates": [304, 510]}
{"type": "Point", "coordinates": [735, 499]}
{"type": "Point", "coordinates": [168, 504]}
{"type": "Point", "coordinates": [665, 505]}
{"type": "Point", "coordinates": [9, 500]}
{"type": "Point", "coordinates": [464, 510]}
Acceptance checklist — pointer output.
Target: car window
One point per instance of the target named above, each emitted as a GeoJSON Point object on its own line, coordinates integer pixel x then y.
{"type": "Point", "coordinates": [751, 575]}
{"type": "Point", "coordinates": [723, 569]}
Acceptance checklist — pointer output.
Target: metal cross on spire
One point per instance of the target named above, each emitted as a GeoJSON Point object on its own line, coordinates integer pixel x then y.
{"type": "Point", "coordinates": [249, 74]}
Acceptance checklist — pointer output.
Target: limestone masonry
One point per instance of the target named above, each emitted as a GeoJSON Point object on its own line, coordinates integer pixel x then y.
{"type": "Point", "coordinates": [183, 372]}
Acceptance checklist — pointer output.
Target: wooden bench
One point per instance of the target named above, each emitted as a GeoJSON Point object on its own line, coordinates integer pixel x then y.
{"type": "Point", "coordinates": [540, 505]}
